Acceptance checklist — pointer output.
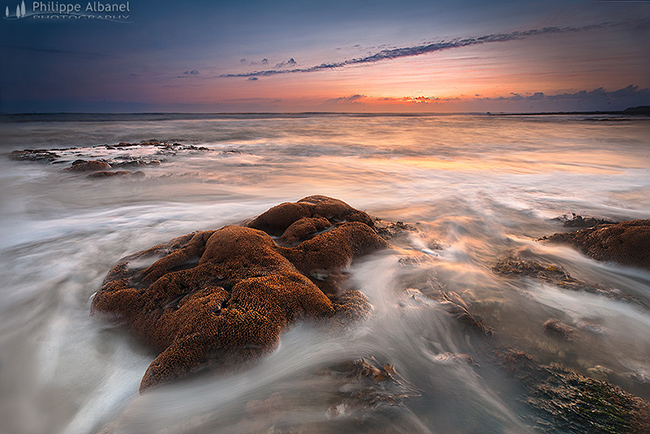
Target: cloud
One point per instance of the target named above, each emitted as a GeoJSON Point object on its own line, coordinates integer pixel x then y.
{"type": "Point", "coordinates": [265, 61]}
{"type": "Point", "coordinates": [354, 99]}
{"type": "Point", "coordinates": [629, 92]}
{"type": "Point", "coordinates": [190, 73]}
{"type": "Point", "coordinates": [289, 62]}
{"type": "Point", "coordinates": [583, 100]}
{"type": "Point", "coordinates": [416, 99]}
{"type": "Point", "coordinates": [253, 78]}
{"type": "Point", "coordinates": [419, 99]}
{"type": "Point", "coordinates": [396, 53]}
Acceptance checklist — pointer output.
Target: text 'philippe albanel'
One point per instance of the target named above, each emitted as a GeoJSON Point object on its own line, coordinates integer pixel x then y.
{"type": "Point", "coordinates": [75, 8]}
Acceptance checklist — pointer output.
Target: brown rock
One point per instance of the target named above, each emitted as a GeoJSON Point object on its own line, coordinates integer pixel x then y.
{"type": "Point", "coordinates": [304, 228]}
{"type": "Point", "coordinates": [551, 273]}
{"type": "Point", "coordinates": [627, 243]}
{"type": "Point", "coordinates": [86, 166]}
{"type": "Point", "coordinates": [578, 221]}
{"type": "Point", "coordinates": [567, 402]}
{"type": "Point", "coordinates": [41, 155]}
{"type": "Point", "coordinates": [109, 174]}
{"type": "Point", "coordinates": [557, 328]}
{"type": "Point", "coordinates": [225, 296]}
{"type": "Point", "coordinates": [280, 217]}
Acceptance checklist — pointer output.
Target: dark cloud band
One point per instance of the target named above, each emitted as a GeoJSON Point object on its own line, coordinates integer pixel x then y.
{"type": "Point", "coordinates": [418, 50]}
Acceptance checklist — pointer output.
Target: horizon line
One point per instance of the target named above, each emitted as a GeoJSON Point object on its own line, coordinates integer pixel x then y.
{"type": "Point", "coordinates": [487, 112]}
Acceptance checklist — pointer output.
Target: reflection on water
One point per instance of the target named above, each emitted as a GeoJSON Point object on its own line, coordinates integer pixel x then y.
{"type": "Point", "coordinates": [474, 189]}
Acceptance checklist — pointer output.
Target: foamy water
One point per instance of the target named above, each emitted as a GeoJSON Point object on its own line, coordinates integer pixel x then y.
{"type": "Point", "coordinates": [476, 188]}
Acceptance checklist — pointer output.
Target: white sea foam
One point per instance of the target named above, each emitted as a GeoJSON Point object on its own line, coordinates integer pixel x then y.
{"type": "Point", "coordinates": [474, 188]}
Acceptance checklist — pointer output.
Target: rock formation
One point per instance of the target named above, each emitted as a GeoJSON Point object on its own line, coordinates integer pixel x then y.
{"type": "Point", "coordinates": [564, 401]}
{"type": "Point", "coordinates": [627, 243]}
{"type": "Point", "coordinates": [224, 296]}
{"type": "Point", "coordinates": [87, 166]}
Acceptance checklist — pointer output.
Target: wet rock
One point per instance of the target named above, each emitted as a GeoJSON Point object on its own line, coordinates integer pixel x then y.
{"type": "Point", "coordinates": [304, 228]}
{"type": "Point", "coordinates": [224, 296]}
{"type": "Point", "coordinates": [599, 372]}
{"type": "Point", "coordinates": [365, 385]}
{"type": "Point", "coordinates": [565, 402]}
{"type": "Point", "coordinates": [454, 358]}
{"type": "Point", "coordinates": [136, 163]}
{"type": "Point", "coordinates": [280, 217]}
{"type": "Point", "coordinates": [575, 404]}
{"type": "Point", "coordinates": [554, 274]}
{"type": "Point", "coordinates": [389, 230]}
{"type": "Point", "coordinates": [453, 304]}
{"type": "Point", "coordinates": [87, 166]}
{"type": "Point", "coordinates": [516, 362]}
{"type": "Point", "coordinates": [557, 328]}
{"type": "Point", "coordinates": [626, 243]}
{"type": "Point", "coordinates": [118, 173]}
{"type": "Point", "coordinates": [456, 306]}
{"type": "Point", "coordinates": [38, 155]}
{"type": "Point", "coordinates": [578, 221]}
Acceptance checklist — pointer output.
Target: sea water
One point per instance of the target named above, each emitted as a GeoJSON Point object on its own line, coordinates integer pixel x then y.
{"type": "Point", "coordinates": [473, 188]}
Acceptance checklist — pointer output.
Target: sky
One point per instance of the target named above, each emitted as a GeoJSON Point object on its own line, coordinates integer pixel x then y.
{"type": "Point", "coordinates": [324, 56]}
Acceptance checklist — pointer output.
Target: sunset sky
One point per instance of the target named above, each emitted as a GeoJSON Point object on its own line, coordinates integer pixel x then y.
{"type": "Point", "coordinates": [354, 56]}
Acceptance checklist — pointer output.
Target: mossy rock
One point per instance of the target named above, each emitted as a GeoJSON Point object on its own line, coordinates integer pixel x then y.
{"type": "Point", "coordinates": [224, 296]}
{"type": "Point", "coordinates": [626, 243]}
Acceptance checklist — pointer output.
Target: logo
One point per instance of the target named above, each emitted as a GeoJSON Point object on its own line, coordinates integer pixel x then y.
{"type": "Point", "coordinates": [55, 11]}
{"type": "Point", "coordinates": [20, 11]}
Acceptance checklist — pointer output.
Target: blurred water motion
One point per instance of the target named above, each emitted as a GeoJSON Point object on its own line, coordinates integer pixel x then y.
{"type": "Point", "coordinates": [474, 189]}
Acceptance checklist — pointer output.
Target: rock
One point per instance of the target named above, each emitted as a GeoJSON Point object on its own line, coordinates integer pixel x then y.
{"type": "Point", "coordinates": [389, 230]}
{"type": "Point", "coordinates": [304, 228]}
{"type": "Point", "coordinates": [574, 404]}
{"type": "Point", "coordinates": [557, 328]}
{"type": "Point", "coordinates": [599, 372]}
{"type": "Point", "coordinates": [456, 306]}
{"type": "Point", "coordinates": [41, 155]}
{"type": "Point", "coordinates": [551, 273]}
{"type": "Point", "coordinates": [363, 385]}
{"type": "Point", "coordinates": [280, 217]}
{"type": "Point", "coordinates": [86, 166]}
{"type": "Point", "coordinates": [577, 221]}
{"type": "Point", "coordinates": [566, 402]}
{"type": "Point", "coordinates": [136, 163]}
{"type": "Point", "coordinates": [109, 174]}
{"type": "Point", "coordinates": [627, 243]}
{"type": "Point", "coordinates": [224, 296]}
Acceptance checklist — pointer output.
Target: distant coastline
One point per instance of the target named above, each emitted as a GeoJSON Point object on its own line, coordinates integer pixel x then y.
{"type": "Point", "coordinates": [643, 110]}
{"type": "Point", "coordinates": [88, 116]}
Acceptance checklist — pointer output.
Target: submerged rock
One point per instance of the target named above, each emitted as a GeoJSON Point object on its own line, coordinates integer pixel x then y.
{"type": "Point", "coordinates": [563, 401]}
{"type": "Point", "coordinates": [550, 273]}
{"type": "Point", "coordinates": [627, 243]}
{"type": "Point", "coordinates": [363, 385]}
{"type": "Point", "coordinates": [557, 328]}
{"type": "Point", "coordinates": [41, 155]}
{"type": "Point", "coordinates": [574, 404]}
{"type": "Point", "coordinates": [87, 166]}
{"type": "Point", "coordinates": [136, 163]}
{"type": "Point", "coordinates": [225, 296]}
{"type": "Point", "coordinates": [389, 230]}
{"type": "Point", "coordinates": [109, 174]}
{"type": "Point", "coordinates": [578, 221]}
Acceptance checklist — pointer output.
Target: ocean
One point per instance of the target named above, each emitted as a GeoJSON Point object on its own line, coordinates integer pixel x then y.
{"type": "Point", "coordinates": [472, 189]}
